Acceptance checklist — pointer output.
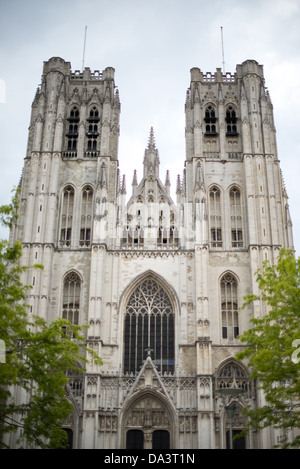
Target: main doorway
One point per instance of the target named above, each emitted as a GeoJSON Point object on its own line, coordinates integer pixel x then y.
{"type": "Point", "coordinates": [160, 439]}
{"type": "Point", "coordinates": [148, 424]}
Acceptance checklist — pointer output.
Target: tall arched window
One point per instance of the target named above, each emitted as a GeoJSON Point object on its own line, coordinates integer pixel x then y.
{"type": "Point", "coordinates": [86, 216]}
{"type": "Point", "coordinates": [149, 325]}
{"type": "Point", "coordinates": [231, 120]}
{"type": "Point", "coordinates": [93, 132]}
{"type": "Point", "coordinates": [229, 307]}
{"type": "Point", "coordinates": [236, 218]}
{"type": "Point", "coordinates": [215, 217]}
{"type": "Point", "coordinates": [210, 121]}
{"type": "Point", "coordinates": [71, 298]}
{"type": "Point", "coordinates": [66, 218]}
{"type": "Point", "coordinates": [72, 134]}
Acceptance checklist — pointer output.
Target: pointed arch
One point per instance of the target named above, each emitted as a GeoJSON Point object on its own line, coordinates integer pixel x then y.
{"type": "Point", "coordinates": [71, 297]}
{"type": "Point", "coordinates": [229, 306]}
{"type": "Point", "coordinates": [67, 201]}
{"type": "Point", "coordinates": [229, 371]}
{"type": "Point", "coordinates": [231, 120]}
{"type": "Point", "coordinates": [236, 216]}
{"type": "Point", "coordinates": [149, 306]}
{"type": "Point", "coordinates": [148, 411]}
{"type": "Point", "coordinates": [86, 215]}
{"type": "Point", "coordinates": [210, 119]}
{"type": "Point", "coordinates": [215, 216]}
{"type": "Point", "coordinates": [72, 134]}
{"type": "Point", "coordinates": [93, 129]}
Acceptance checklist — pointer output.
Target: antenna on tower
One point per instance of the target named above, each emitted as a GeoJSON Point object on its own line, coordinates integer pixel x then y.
{"type": "Point", "coordinates": [222, 50]}
{"type": "Point", "coordinates": [83, 57]}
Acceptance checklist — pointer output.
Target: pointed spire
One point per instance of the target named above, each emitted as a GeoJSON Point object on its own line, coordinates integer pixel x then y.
{"type": "Point", "coordinates": [151, 159]}
{"type": "Point", "coordinates": [134, 183]}
{"type": "Point", "coordinates": [118, 181]}
{"type": "Point", "coordinates": [184, 182]}
{"type": "Point", "coordinates": [123, 188]}
{"type": "Point", "coordinates": [134, 180]}
{"type": "Point", "coordinates": [178, 187]}
{"type": "Point", "coordinates": [151, 143]}
{"type": "Point", "coordinates": [168, 182]}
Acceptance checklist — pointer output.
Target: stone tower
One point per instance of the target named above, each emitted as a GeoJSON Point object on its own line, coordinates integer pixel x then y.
{"type": "Point", "coordinates": [160, 283]}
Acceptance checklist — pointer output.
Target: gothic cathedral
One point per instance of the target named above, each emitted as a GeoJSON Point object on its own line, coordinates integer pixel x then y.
{"type": "Point", "coordinates": [159, 282]}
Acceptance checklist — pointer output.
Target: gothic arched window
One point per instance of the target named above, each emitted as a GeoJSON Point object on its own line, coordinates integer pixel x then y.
{"type": "Point", "coordinates": [232, 375]}
{"type": "Point", "coordinates": [71, 298]}
{"type": "Point", "coordinates": [66, 218]}
{"type": "Point", "coordinates": [149, 325]}
{"type": "Point", "coordinates": [72, 134]}
{"type": "Point", "coordinates": [93, 132]}
{"type": "Point", "coordinates": [236, 218]}
{"type": "Point", "coordinates": [210, 121]}
{"type": "Point", "coordinates": [86, 216]}
{"type": "Point", "coordinates": [215, 217]}
{"type": "Point", "coordinates": [231, 120]}
{"type": "Point", "coordinates": [229, 307]}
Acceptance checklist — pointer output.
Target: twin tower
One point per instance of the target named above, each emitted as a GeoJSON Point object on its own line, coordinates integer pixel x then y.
{"type": "Point", "coordinates": [159, 282]}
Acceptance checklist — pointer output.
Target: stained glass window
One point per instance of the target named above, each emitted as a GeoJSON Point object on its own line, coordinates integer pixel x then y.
{"type": "Point", "coordinates": [149, 325]}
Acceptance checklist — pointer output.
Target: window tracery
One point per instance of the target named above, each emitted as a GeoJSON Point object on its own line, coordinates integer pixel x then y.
{"type": "Point", "coordinates": [229, 307]}
{"type": "Point", "coordinates": [231, 122]}
{"type": "Point", "coordinates": [210, 121]}
{"type": "Point", "coordinates": [232, 375]}
{"type": "Point", "coordinates": [71, 298]}
{"type": "Point", "coordinates": [215, 217]}
{"type": "Point", "coordinates": [93, 131]}
{"type": "Point", "coordinates": [72, 134]}
{"type": "Point", "coordinates": [236, 218]}
{"type": "Point", "coordinates": [66, 220]}
{"type": "Point", "coordinates": [86, 216]}
{"type": "Point", "coordinates": [149, 324]}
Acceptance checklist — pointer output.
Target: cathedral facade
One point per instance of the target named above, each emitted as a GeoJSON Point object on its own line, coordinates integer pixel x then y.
{"type": "Point", "coordinates": [160, 283]}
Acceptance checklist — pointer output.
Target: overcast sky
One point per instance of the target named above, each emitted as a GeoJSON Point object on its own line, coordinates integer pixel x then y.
{"type": "Point", "coordinates": [152, 46]}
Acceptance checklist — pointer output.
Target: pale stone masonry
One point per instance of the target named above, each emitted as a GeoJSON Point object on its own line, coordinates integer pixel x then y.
{"type": "Point", "coordinates": [160, 283]}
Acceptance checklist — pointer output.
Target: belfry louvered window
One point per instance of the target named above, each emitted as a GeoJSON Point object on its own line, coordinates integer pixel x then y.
{"type": "Point", "coordinates": [231, 121]}
{"type": "Point", "coordinates": [210, 121]}
{"type": "Point", "coordinates": [93, 131]}
{"type": "Point", "coordinates": [72, 134]}
{"type": "Point", "coordinates": [149, 325]}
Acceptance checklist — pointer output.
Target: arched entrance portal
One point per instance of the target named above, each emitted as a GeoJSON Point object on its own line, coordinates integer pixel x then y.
{"type": "Point", "coordinates": [148, 424]}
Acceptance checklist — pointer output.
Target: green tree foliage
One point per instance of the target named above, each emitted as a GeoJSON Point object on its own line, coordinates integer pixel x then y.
{"type": "Point", "coordinates": [273, 348]}
{"type": "Point", "coordinates": [38, 356]}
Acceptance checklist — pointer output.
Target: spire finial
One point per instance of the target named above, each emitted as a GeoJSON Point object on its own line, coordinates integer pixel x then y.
{"type": "Point", "coordinates": [178, 187]}
{"type": "Point", "coordinates": [123, 189]}
{"type": "Point", "coordinates": [168, 182]}
{"type": "Point", "coordinates": [151, 144]}
{"type": "Point", "coordinates": [134, 181]}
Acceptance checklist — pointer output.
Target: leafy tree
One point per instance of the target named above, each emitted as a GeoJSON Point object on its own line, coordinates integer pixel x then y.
{"type": "Point", "coordinates": [38, 356]}
{"type": "Point", "coordinates": [273, 348]}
